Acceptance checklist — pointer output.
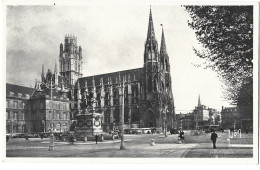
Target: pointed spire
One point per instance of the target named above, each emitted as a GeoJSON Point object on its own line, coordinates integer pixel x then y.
{"type": "Point", "coordinates": [199, 101]}
{"type": "Point", "coordinates": [43, 70]}
{"type": "Point", "coordinates": [62, 85]}
{"type": "Point", "coordinates": [55, 67]}
{"type": "Point", "coordinates": [150, 33]}
{"type": "Point", "coordinates": [163, 44]}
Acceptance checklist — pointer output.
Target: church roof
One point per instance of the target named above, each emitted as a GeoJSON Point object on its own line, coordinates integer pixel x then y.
{"type": "Point", "coordinates": [18, 89]}
{"type": "Point", "coordinates": [131, 76]}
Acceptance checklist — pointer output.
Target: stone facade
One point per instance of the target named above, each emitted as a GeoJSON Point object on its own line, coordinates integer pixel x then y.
{"type": "Point", "coordinates": [147, 96]}
{"type": "Point", "coordinates": [18, 109]}
{"type": "Point", "coordinates": [230, 117]}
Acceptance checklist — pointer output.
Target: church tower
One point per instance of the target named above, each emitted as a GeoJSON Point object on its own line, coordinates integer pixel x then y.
{"type": "Point", "coordinates": [166, 83]}
{"type": "Point", "coordinates": [151, 55]}
{"type": "Point", "coordinates": [70, 60]}
{"type": "Point", "coordinates": [158, 105]}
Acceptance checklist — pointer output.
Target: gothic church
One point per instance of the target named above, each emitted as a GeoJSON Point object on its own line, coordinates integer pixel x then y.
{"type": "Point", "coordinates": [148, 99]}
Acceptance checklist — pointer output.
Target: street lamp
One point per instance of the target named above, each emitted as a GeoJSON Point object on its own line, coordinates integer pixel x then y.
{"type": "Point", "coordinates": [165, 124]}
{"type": "Point", "coordinates": [43, 122]}
{"type": "Point", "coordinates": [122, 89]}
{"type": "Point", "coordinates": [51, 146]}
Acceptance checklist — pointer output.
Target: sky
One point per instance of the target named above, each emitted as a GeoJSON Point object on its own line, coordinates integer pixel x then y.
{"type": "Point", "coordinates": [112, 37]}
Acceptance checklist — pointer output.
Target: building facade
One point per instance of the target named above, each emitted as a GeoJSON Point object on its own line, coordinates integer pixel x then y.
{"type": "Point", "coordinates": [146, 92]}
{"type": "Point", "coordinates": [230, 117]}
{"type": "Point", "coordinates": [147, 95]}
{"type": "Point", "coordinates": [18, 109]}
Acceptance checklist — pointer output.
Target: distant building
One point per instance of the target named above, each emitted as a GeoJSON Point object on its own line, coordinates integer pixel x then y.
{"type": "Point", "coordinates": [201, 114]}
{"type": "Point", "coordinates": [214, 116]}
{"type": "Point", "coordinates": [230, 117]}
{"type": "Point", "coordinates": [188, 121]}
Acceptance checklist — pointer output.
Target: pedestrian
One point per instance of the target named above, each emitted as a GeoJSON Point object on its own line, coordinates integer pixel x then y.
{"type": "Point", "coordinates": [214, 137]}
{"type": "Point", "coordinates": [246, 130]}
{"type": "Point", "coordinates": [222, 130]}
{"type": "Point", "coordinates": [26, 137]}
{"type": "Point", "coordinates": [7, 138]}
{"type": "Point", "coordinates": [41, 136]}
{"type": "Point", "coordinates": [71, 139]}
{"type": "Point", "coordinates": [182, 136]}
{"type": "Point", "coordinates": [96, 138]}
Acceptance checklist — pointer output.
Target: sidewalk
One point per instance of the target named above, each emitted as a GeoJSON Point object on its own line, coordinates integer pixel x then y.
{"type": "Point", "coordinates": [237, 148]}
{"type": "Point", "coordinates": [139, 146]}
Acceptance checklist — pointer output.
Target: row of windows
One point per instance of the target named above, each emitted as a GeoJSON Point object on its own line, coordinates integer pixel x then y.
{"type": "Point", "coordinates": [58, 116]}
{"type": "Point", "coordinates": [65, 66]}
{"type": "Point", "coordinates": [58, 125]}
{"type": "Point", "coordinates": [57, 105]}
{"type": "Point", "coordinates": [229, 110]}
{"type": "Point", "coordinates": [15, 104]}
{"type": "Point", "coordinates": [15, 115]}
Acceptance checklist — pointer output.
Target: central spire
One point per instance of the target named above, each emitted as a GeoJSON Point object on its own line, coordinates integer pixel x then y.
{"type": "Point", "coordinates": [150, 33]}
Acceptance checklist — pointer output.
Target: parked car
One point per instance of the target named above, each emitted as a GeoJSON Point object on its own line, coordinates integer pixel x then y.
{"type": "Point", "coordinates": [16, 135]}
{"type": "Point", "coordinates": [128, 131]}
{"type": "Point", "coordinates": [136, 131]}
{"type": "Point", "coordinates": [63, 136]}
{"type": "Point", "coordinates": [146, 130]}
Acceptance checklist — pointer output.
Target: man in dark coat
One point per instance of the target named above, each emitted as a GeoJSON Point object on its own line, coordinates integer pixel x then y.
{"type": "Point", "coordinates": [182, 135]}
{"type": "Point", "coordinates": [246, 130]}
{"type": "Point", "coordinates": [96, 138]}
{"type": "Point", "coordinates": [214, 137]}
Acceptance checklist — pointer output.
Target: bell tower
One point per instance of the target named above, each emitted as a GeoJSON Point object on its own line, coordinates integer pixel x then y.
{"type": "Point", "coordinates": [151, 55]}
{"type": "Point", "coordinates": [70, 60]}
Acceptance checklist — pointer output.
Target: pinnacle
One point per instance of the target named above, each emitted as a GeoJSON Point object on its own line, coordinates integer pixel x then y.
{"type": "Point", "coordinates": [163, 44]}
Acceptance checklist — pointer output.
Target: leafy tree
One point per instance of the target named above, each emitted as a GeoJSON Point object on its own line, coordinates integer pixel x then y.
{"type": "Point", "coordinates": [226, 35]}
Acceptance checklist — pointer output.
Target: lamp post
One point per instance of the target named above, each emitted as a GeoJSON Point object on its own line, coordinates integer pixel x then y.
{"type": "Point", "coordinates": [51, 147]}
{"type": "Point", "coordinates": [12, 123]}
{"type": "Point", "coordinates": [43, 122]}
{"type": "Point", "coordinates": [122, 146]}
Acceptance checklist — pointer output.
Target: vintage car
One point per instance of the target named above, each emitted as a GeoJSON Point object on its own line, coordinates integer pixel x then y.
{"type": "Point", "coordinates": [146, 130]}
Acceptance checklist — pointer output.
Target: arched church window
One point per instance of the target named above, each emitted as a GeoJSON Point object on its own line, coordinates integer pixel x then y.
{"type": "Point", "coordinates": [106, 99]}
{"type": "Point", "coordinates": [150, 83]}
{"type": "Point", "coordinates": [166, 65]}
{"type": "Point", "coordinates": [155, 85]}
{"type": "Point", "coordinates": [116, 98]}
{"type": "Point", "coordinates": [162, 85]}
{"type": "Point", "coordinates": [98, 99]}
{"type": "Point", "coordinates": [162, 63]}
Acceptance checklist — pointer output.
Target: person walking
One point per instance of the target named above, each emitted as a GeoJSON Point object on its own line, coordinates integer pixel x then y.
{"type": "Point", "coordinates": [96, 138]}
{"type": "Point", "coordinates": [26, 137]}
{"type": "Point", "coordinates": [246, 130]}
{"type": "Point", "coordinates": [214, 137]}
{"type": "Point", "coordinates": [182, 136]}
{"type": "Point", "coordinates": [42, 136]}
{"type": "Point", "coordinates": [71, 139]}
